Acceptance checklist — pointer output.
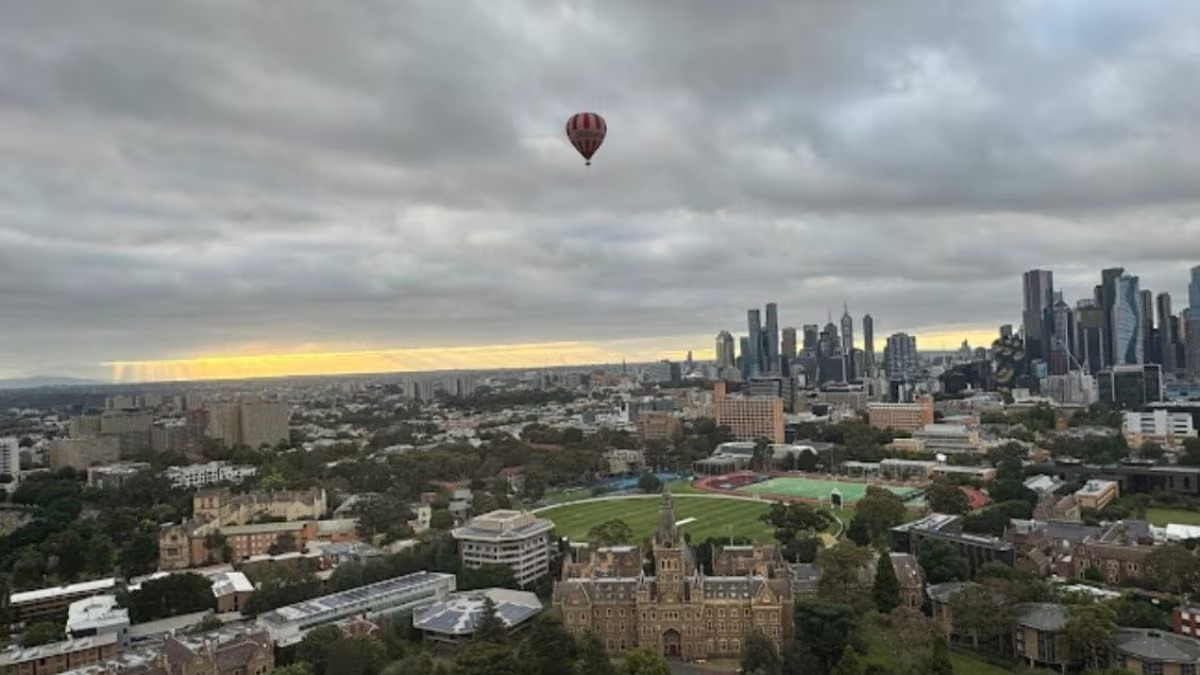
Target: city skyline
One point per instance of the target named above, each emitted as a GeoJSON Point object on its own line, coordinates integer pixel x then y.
{"type": "Point", "coordinates": [176, 195]}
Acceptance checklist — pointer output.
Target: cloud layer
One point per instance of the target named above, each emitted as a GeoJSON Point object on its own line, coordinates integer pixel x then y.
{"type": "Point", "coordinates": [220, 177]}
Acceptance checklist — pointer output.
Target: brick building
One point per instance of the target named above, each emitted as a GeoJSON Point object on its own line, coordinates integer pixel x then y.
{"type": "Point", "coordinates": [679, 612]}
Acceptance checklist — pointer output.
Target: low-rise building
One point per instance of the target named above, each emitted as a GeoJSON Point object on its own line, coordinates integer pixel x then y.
{"type": "Point", "coordinates": [51, 604]}
{"type": "Point", "coordinates": [658, 425]}
{"type": "Point", "coordinates": [1040, 637]}
{"type": "Point", "coordinates": [911, 578]}
{"type": "Point", "coordinates": [226, 508]}
{"type": "Point", "coordinates": [939, 603]}
{"type": "Point", "coordinates": [98, 615]}
{"type": "Point", "coordinates": [1168, 429]}
{"type": "Point", "coordinates": [114, 476]}
{"type": "Point", "coordinates": [1186, 620]}
{"type": "Point", "coordinates": [1146, 650]}
{"type": "Point", "coordinates": [1097, 494]}
{"type": "Point", "coordinates": [455, 618]}
{"type": "Point", "coordinates": [517, 539]}
{"type": "Point", "coordinates": [191, 543]}
{"type": "Point", "coordinates": [199, 475]}
{"type": "Point", "coordinates": [948, 439]}
{"type": "Point", "coordinates": [230, 591]}
{"type": "Point", "coordinates": [977, 549]}
{"type": "Point", "coordinates": [288, 625]}
{"type": "Point", "coordinates": [625, 461]}
{"type": "Point", "coordinates": [58, 657]}
{"type": "Point", "coordinates": [901, 416]}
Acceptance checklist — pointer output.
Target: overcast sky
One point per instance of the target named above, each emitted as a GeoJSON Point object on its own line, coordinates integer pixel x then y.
{"type": "Point", "coordinates": [222, 177]}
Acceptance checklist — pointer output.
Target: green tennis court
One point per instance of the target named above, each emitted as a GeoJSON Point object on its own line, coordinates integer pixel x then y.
{"type": "Point", "coordinates": [811, 488]}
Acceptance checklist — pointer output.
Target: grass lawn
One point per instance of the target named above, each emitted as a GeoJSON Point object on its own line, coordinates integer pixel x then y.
{"type": "Point", "coordinates": [812, 488]}
{"type": "Point", "coordinates": [1161, 517]}
{"type": "Point", "coordinates": [714, 517]}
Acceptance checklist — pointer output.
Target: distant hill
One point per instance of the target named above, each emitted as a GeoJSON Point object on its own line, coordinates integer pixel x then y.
{"type": "Point", "coordinates": [45, 381]}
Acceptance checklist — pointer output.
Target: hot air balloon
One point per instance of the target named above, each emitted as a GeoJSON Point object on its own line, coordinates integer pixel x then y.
{"type": "Point", "coordinates": [586, 132]}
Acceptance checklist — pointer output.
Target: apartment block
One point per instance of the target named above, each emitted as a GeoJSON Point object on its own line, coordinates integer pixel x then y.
{"type": "Point", "coordinates": [901, 416]}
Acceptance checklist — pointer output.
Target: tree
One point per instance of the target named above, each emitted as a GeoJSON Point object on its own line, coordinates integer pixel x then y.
{"type": "Point", "coordinates": [173, 595]}
{"type": "Point", "coordinates": [649, 483]}
{"type": "Point", "coordinates": [490, 627]}
{"type": "Point", "coordinates": [939, 659]}
{"type": "Point", "coordinates": [849, 664]}
{"type": "Point", "coordinates": [1012, 490]}
{"type": "Point", "coordinates": [441, 519]}
{"type": "Point", "coordinates": [760, 456]}
{"type": "Point", "coordinates": [859, 532]}
{"type": "Point", "coordinates": [613, 532]}
{"type": "Point", "coordinates": [1092, 631]}
{"type": "Point", "coordinates": [316, 646]}
{"type": "Point", "coordinates": [356, 655]}
{"type": "Point", "coordinates": [535, 485]}
{"type": "Point", "coordinates": [942, 562]}
{"type": "Point", "coordinates": [42, 633]}
{"type": "Point", "coordinates": [886, 591]}
{"type": "Point", "coordinates": [1138, 613]}
{"type": "Point", "coordinates": [486, 658]}
{"type": "Point", "coordinates": [881, 510]}
{"type": "Point", "coordinates": [593, 658]}
{"type": "Point", "coordinates": [979, 610]}
{"type": "Point", "coordinates": [843, 569]}
{"type": "Point", "coordinates": [943, 497]}
{"type": "Point", "coordinates": [547, 649]}
{"type": "Point", "coordinates": [1173, 568]}
{"type": "Point", "coordinates": [298, 668]}
{"type": "Point", "coordinates": [1151, 450]}
{"type": "Point", "coordinates": [645, 662]}
{"type": "Point", "coordinates": [420, 663]}
{"type": "Point", "coordinates": [823, 631]}
{"type": "Point", "coordinates": [759, 655]}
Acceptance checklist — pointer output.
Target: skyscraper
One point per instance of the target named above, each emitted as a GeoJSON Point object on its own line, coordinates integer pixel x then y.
{"type": "Point", "coordinates": [1146, 300]}
{"type": "Point", "coordinates": [754, 356]}
{"type": "Point", "coordinates": [812, 333]}
{"type": "Point", "coordinates": [1128, 348]}
{"type": "Point", "coordinates": [1166, 334]}
{"type": "Point", "coordinates": [747, 356]}
{"type": "Point", "coordinates": [771, 355]}
{"type": "Point", "coordinates": [1038, 286]}
{"type": "Point", "coordinates": [1107, 292]}
{"type": "Point", "coordinates": [900, 357]}
{"type": "Point", "coordinates": [1191, 326]}
{"type": "Point", "coordinates": [789, 344]}
{"type": "Point", "coordinates": [1061, 358]}
{"type": "Point", "coordinates": [848, 342]}
{"type": "Point", "coordinates": [1089, 344]}
{"type": "Point", "coordinates": [868, 345]}
{"type": "Point", "coordinates": [725, 356]}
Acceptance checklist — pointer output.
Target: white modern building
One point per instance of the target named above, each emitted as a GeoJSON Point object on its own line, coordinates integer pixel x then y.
{"type": "Point", "coordinates": [1158, 426]}
{"type": "Point", "coordinates": [199, 475]}
{"type": "Point", "coordinates": [10, 462]}
{"type": "Point", "coordinates": [288, 625]}
{"type": "Point", "coordinates": [98, 615]}
{"type": "Point", "coordinates": [517, 539]}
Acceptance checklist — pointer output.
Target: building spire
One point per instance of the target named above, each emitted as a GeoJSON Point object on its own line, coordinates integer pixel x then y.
{"type": "Point", "coordinates": [845, 307]}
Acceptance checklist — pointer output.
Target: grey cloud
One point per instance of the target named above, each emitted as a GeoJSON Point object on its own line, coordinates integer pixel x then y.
{"type": "Point", "coordinates": [190, 177]}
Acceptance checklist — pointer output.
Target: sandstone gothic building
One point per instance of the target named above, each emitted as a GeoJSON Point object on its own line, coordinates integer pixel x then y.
{"type": "Point", "coordinates": [679, 612]}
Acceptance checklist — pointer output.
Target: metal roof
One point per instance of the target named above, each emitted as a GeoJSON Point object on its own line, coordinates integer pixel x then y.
{"type": "Point", "coordinates": [461, 613]}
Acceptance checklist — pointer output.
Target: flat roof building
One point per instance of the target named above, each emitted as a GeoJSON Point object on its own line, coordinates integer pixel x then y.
{"type": "Point", "coordinates": [517, 539]}
{"type": "Point", "coordinates": [901, 416]}
{"type": "Point", "coordinates": [51, 603]}
{"type": "Point", "coordinates": [1097, 494]}
{"type": "Point", "coordinates": [98, 615]}
{"type": "Point", "coordinates": [288, 625]}
{"type": "Point", "coordinates": [58, 657]}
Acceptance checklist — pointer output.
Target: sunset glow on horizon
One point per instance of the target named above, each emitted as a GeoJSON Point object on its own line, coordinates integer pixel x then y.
{"type": "Point", "coordinates": [485, 357]}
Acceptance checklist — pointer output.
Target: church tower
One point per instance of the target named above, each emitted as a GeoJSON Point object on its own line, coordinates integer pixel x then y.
{"type": "Point", "coordinates": [669, 553]}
